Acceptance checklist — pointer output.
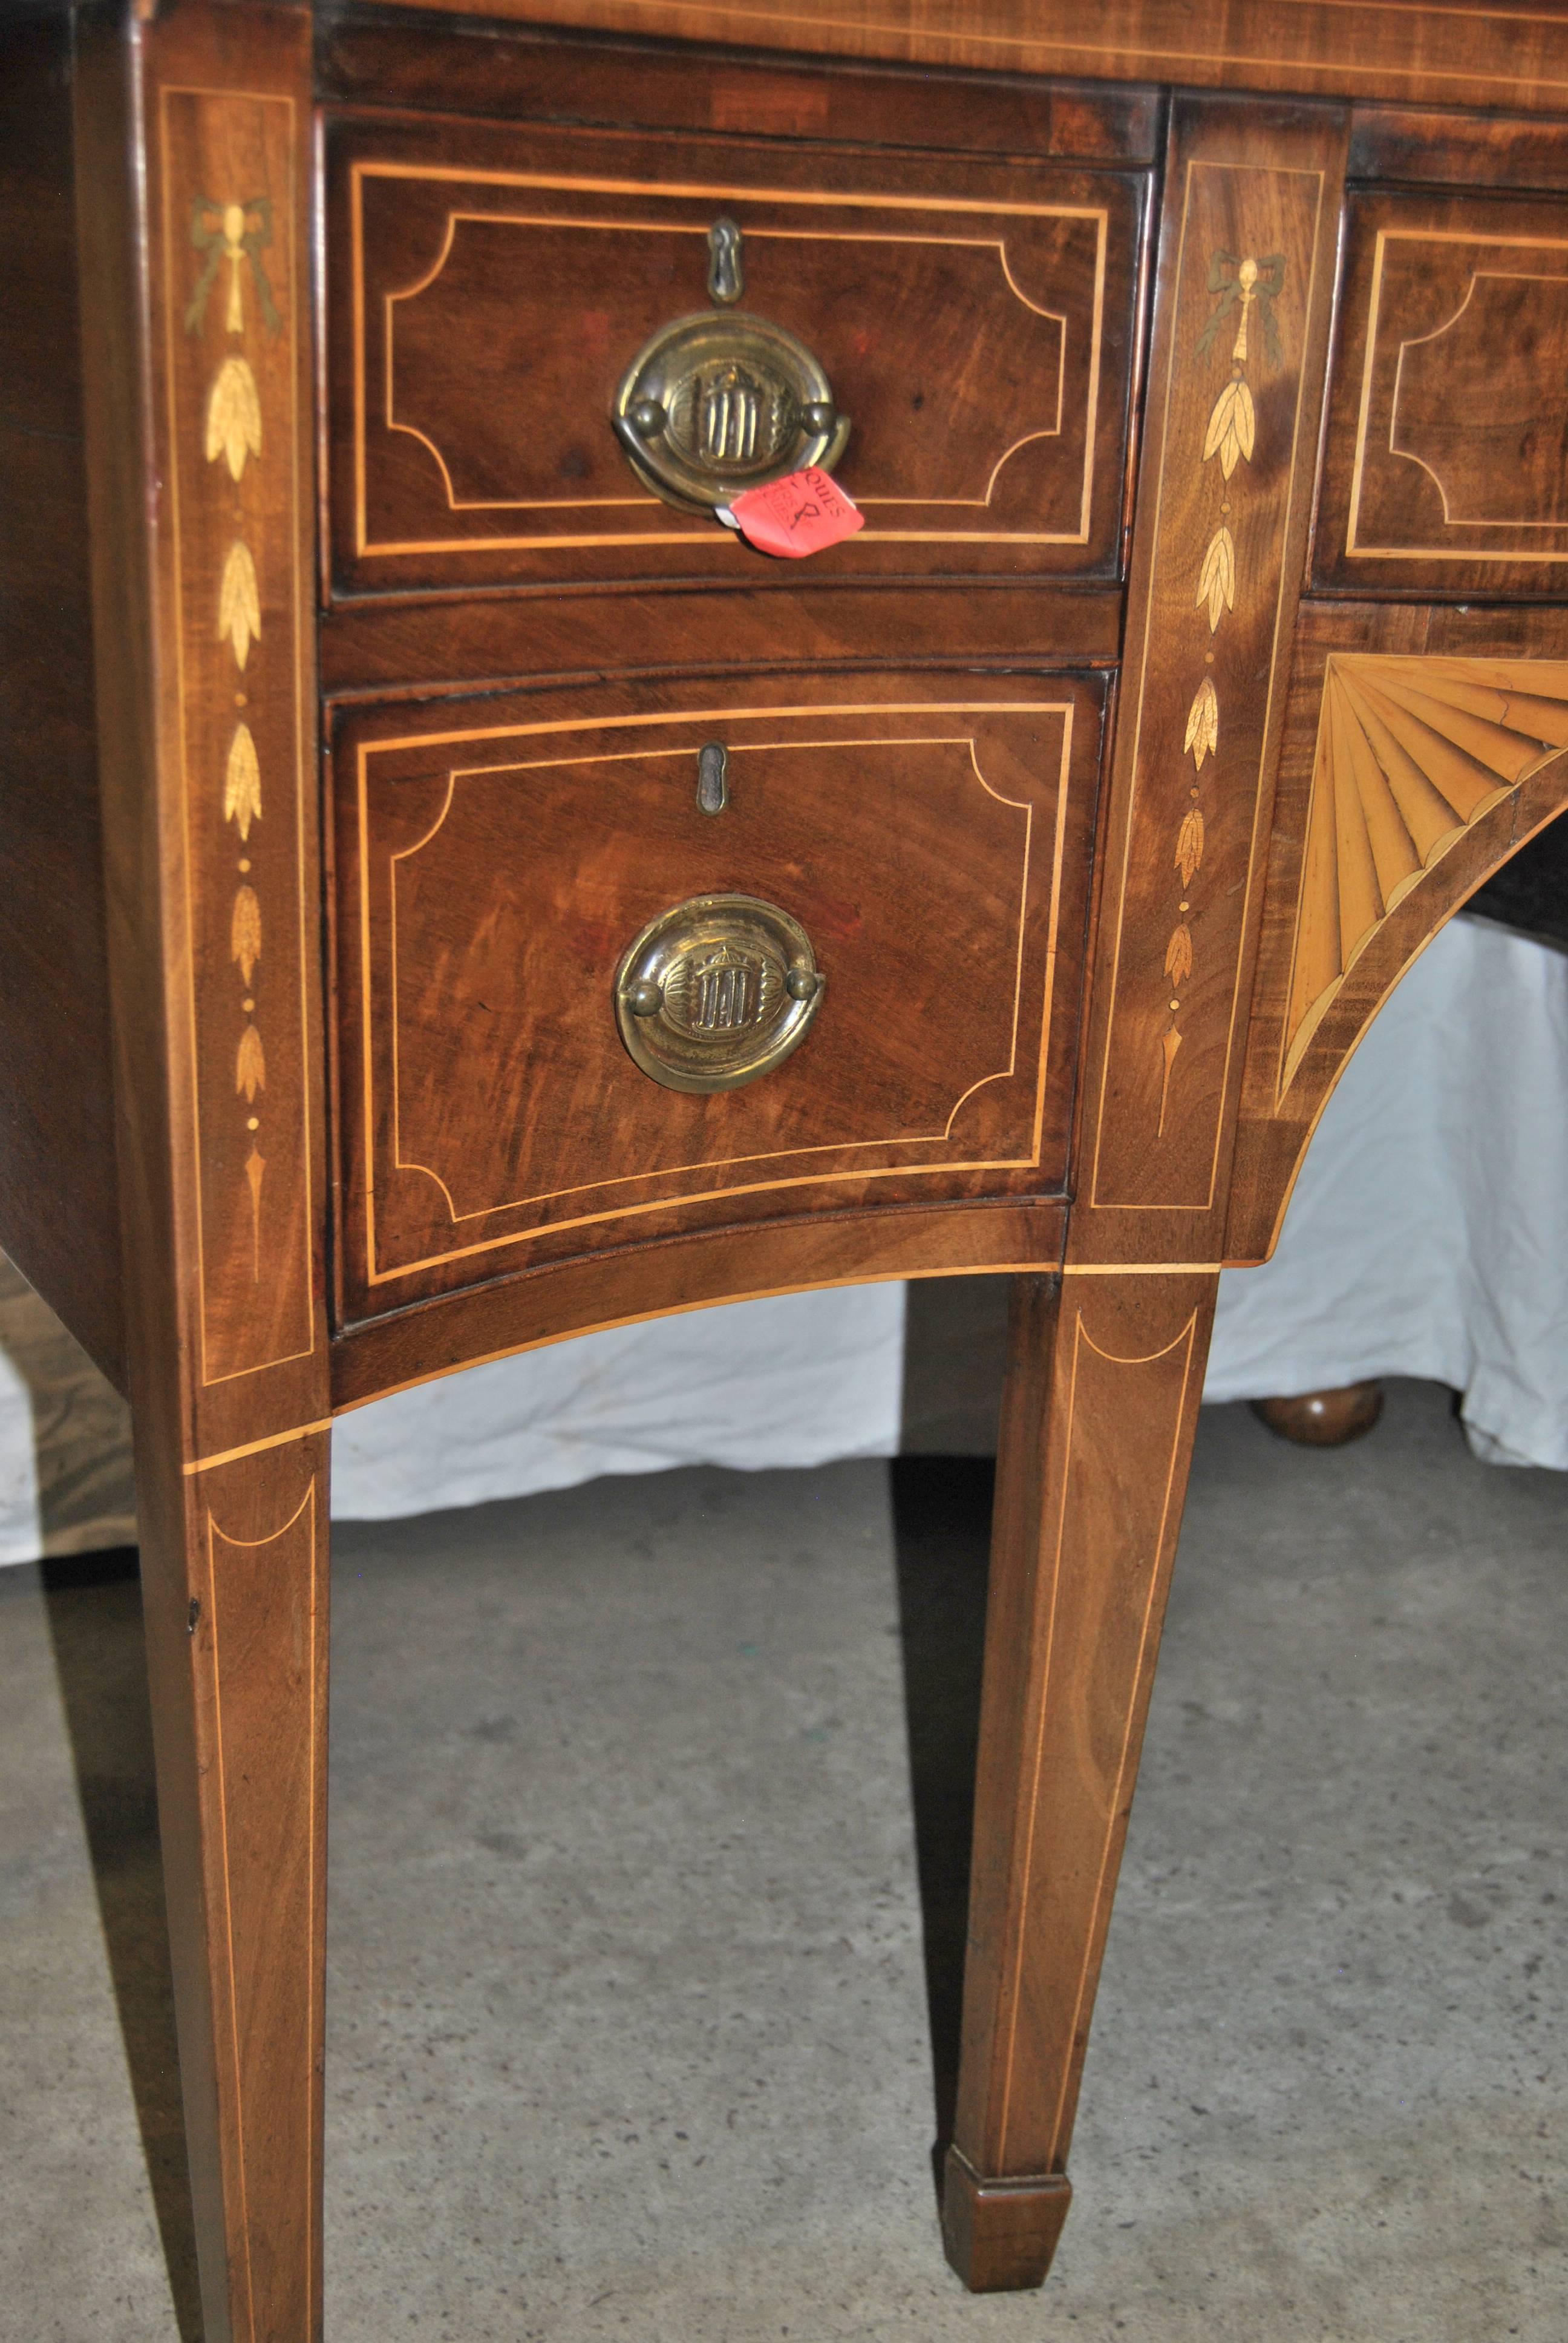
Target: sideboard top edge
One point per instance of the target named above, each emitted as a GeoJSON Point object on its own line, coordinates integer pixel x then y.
{"type": "Point", "coordinates": [1461, 53]}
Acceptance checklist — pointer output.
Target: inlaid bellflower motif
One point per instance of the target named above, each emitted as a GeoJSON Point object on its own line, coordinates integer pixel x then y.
{"type": "Point", "coordinates": [239, 233]}
{"type": "Point", "coordinates": [1244, 288]}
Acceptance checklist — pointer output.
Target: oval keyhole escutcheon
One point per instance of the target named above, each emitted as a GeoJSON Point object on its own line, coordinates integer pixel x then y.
{"type": "Point", "coordinates": [725, 400]}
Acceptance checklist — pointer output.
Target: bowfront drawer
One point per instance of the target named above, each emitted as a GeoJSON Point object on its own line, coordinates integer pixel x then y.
{"type": "Point", "coordinates": [963, 331]}
{"type": "Point", "coordinates": [683, 957]}
{"type": "Point", "coordinates": [1446, 469]}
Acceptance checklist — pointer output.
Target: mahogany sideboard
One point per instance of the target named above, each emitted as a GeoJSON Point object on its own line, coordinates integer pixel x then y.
{"type": "Point", "coordinates": [459, 894]}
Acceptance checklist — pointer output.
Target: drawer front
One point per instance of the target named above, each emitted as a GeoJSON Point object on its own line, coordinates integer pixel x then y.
{"type": "Point", "coordinates": [488, 288]}
{"type": "Point", "coordinates": [1446, 469]}
{"type": "Point", "coordinates": [494, 863]}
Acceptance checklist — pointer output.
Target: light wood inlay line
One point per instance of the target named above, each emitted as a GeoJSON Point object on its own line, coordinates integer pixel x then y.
{"type": "Point", "coordinates": [718, 1164]}
{"type": "Point", "coordinates": [1125, 1764]}
{"type": "Point", "coordinates": [701, 191]}
{"type": "Point", "coordinates": [1356, 546]}
{"type": "Point", "coordinates": [231, 1980]}
{"type": "Point", "coordinates": [652, 504]}
{"type": "Point", "coordinates": [1146, 56]}
{"type": "Point", "coordinates": [827, 712]}
{"type": "Point", "coordinates": [1035, 1268]}
{"type": "Point", "coordinates": [193, 802]}
{"type": "Point", "coordinates": [1097, 1200]}
{"type": "Point", "coordinates": [254, 1447]}
{"type": "Point", "coordinates": [1081, 1337]}
{"type": "Point", "coordinates": [1140, 1268]}
{"type": "Point", "coordinates": [368, 547]}
{"type": "Point", "coordinates": [378, 1274]}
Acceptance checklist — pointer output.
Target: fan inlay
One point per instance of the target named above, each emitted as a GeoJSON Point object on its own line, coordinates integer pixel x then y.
{"type": "Point", "coordinates": [1411, 752]}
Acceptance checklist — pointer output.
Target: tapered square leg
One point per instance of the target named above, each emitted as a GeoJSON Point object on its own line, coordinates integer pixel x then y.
{"type": "Point", "coordinates": [199, 389]}
{"type": "Point", "coordinates": [235, 1598]}
{"type": "Point", "coordinates": [1103, 1384]}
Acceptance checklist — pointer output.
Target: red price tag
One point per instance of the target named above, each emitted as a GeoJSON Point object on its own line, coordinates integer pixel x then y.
{"type": "Point", "coordinates": [797, 515]}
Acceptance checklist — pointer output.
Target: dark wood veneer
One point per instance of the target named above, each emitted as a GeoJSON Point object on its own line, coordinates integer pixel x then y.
{"type": "Point", "coordinates": [384, 648]}
{"type": "Point", "coordinates": [162, 888]}
{"type": "Point", "coordinates": [1442, 147]}
{"type": "Point", "coordinates": [487, 287]}
{"type": "Point", "coordinates": [368, 58]}
{"type": "Point", "coordinates": [691, 1271]}
{"type": "Point", "coordinates": [1417, 52]}
{"type": "Point", "coordinates": [58, 1197]}
{"type": "Point", "coordinates": [494, 861]}
{"type": "Point", "coordinates": [1207, 657]}
{"type": "Point", "coordinates": [1445, 470]}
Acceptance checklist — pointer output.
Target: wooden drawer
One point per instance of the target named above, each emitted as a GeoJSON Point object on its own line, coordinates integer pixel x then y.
{"type": "Point", "coordinates": [488, 285]}
{"type": "Point", "coordinates": [496, 858]}
{"type": "Point", "coordinates": [1446, 465]}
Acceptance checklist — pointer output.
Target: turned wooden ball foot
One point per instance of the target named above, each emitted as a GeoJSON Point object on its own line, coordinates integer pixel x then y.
{"type": "Point", "coordinates": [1324, 1419]}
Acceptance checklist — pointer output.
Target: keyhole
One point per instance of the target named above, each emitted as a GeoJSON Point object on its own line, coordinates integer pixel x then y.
{"type": "Point", "coordinates": [726, 267]}
{"type": "Point", "coordinates": [712, 779]}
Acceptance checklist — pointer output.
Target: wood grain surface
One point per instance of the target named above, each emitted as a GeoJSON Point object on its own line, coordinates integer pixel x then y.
{"type": "Point", "coordinates": [1104, 1378]}
{"type": "Point", "coordinates": [1241, 315]}
{"type": "Point", "coordinates": [385, 647]}
{"type": "Point", "coordinates": [487, 288]}
{"type": "Point", "coordinates": [256, 1642]}
{"type": "Point", "coordinates": [1433, 53]}
{"type": "Point", "coordinates": [551, 74]}
{"type": "Point", "coordinates": [197, 362]}
{"type": "Point", "coordinates": [1446, 457]}
{"type": "Point", "coordinates": [1413, 144]}
{"type": "Point", "coordinates": [523, 656]}
{"type": "Point", "coordinates": [493, 867]}
{"type": "Point", "coordinates": [577, 1296]}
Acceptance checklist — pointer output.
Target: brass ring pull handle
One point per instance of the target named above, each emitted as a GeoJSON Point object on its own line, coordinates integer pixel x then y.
{"type": "Point", "coordinates": [722, 401]}
{"type": "Point", "coordinates": [717, 992]}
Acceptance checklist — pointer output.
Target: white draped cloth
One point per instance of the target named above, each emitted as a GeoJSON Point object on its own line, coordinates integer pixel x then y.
{"type": "Point", "coordinates": [1428, 1236]}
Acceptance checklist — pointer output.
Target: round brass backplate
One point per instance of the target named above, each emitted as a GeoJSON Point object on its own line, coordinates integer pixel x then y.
{"type": "Point", "coordinates": [722, 402]}
{"type": "Point", "coordinates": [717, 992]}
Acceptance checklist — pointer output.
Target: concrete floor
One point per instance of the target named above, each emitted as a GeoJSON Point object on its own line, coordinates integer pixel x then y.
{"type": "Point", "coordinates": [628, 2030]}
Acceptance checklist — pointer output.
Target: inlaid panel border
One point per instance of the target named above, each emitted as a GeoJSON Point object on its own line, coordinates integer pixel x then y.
{"type": "Point", "coordinates": [361, 170]}
{"type": "Point", "coordinates": [456, 219]}
{"type": "Point", "coordinates": [1202, 719]}
{"type": "Point", "coordinates": [821, 712]}
{"type": "Point", "coordinates": [228, 435]}
{"type": "Point", "coordinates": [1357, 549]}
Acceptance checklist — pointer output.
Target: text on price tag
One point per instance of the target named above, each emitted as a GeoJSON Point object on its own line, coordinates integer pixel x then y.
{"type": "Point", "coordinates": [798, 514]}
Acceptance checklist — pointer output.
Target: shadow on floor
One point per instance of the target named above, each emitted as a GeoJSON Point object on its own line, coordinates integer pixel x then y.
{"type": "Point", "coordinates": [94, 1612]}
{"type": "Point", "coordinates": [942, 1531]}
{"type": "Point", "coordinates": [941, 1518]}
